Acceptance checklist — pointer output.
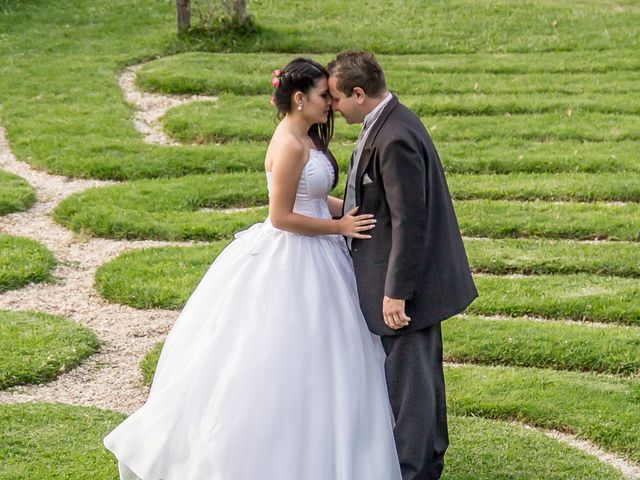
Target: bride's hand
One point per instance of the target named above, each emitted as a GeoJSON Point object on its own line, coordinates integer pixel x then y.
{"type": "Point", "coordinates": [353, 226]}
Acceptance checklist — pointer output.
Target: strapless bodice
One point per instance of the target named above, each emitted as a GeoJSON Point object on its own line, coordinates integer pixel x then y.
{"type": "Point", "coordinates": [315, 184]}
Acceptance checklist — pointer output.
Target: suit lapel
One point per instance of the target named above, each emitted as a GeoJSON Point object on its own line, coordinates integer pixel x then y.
{"type": "Point", "coordinates": [368, 148]}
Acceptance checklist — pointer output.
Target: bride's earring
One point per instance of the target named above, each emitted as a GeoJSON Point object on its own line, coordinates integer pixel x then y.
{"type": "Point", "coordinates": [300, 106]}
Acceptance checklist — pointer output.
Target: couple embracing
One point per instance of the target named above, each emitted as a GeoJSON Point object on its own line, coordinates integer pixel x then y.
{"type": "Point", "coordinates": [311, 349]}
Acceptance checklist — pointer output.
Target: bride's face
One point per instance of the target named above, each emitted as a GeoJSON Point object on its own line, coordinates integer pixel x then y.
{"type": "Point", "coordinates": [316, 103]}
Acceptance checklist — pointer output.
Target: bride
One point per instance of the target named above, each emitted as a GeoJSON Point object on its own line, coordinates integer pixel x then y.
{"type": "Point", "coordinates": [270, 371]}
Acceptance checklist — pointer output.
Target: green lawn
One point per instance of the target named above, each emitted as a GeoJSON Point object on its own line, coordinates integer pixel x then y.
{"type": "Point", "coordinates": [150, 362]}
{"type": "Point", "coordinates": [533, 107]}
{"type": "Point", "coordinates": [219, 122]}
{"type": "Point", "coordinates": [15, 193]}
{"type": "Point", "coordinates": [249, 189]}
{"type": "Point", "coordinates": [583, 187]}
{"type": "Point", "coordinates": [172, 210]}
{"type": "Point", "coordinates": [579, 297]}
{"type": "Point", "coordinates": [509, 155]}
{"type": "Point", "coordinates": [482, 449]}
{"type": "Point", "coordinates": [543, 344]}
{"type": "Point", "coordinates": [65, 113]}
{"type": "Point", "coordinates": [542, 256]}
{"type": "Point", "coordinates": [572, 73]}
{"type": "Point", "coordinates": [139, 278]}
{"type": "Point", "coordinates": [35, 347]}
{"type": "Point", "coordinates": [23, 261]}
{"type": "Point", "coordinates": [56, 442]}
{"type": "Point", "coordinates": [34, 434]}
{"type": "Point", "coordinates": [112, 221]}
{"type": "Point", "coordinates": [599, 408]}
{"type": "Point", "coordinates": [522, 342]}
{"type": "Point", "coordinates": [502, 218]}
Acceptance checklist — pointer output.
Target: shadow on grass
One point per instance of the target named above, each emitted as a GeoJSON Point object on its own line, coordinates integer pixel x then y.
{"type": "Point", "coordinates": [220, 38]}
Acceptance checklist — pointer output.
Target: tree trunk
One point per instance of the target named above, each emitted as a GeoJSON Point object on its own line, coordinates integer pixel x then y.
{"type": "Point", "coordinates": [240, 8]}
{"type": "Point", "coordinates": [183, 8]}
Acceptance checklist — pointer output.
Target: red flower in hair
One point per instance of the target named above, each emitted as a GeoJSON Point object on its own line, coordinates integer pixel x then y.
{"type": "Point", "coordinates": [275, 80]}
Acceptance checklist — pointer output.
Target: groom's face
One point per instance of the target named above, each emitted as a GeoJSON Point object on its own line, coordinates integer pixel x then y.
{"type": "Point", "coordinates": [349, 107]}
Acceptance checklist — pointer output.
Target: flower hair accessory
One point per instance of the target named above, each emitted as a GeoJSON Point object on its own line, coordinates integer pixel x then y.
{"type": "Point", "coordinates": [275, 78]}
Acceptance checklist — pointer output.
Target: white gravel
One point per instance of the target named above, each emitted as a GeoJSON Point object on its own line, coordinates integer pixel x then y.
{"type": "Point", "coordinates": [151, 107]}
{"type": "Point", "coordinates": [110, 379]}
{"type": "Point", "coordinates": [628, 469]}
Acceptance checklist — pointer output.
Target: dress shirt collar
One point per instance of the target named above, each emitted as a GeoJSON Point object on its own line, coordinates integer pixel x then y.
{"type": "Point", "coordinates": [373, 115]}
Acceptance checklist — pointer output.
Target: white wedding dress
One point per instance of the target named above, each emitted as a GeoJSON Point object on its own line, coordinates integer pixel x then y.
{"type": "Point", "coordinates": [270, 372]}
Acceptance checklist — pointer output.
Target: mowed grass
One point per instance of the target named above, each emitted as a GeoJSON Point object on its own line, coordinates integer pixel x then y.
{"type": "Point", "coordinates": [23, 261]}
{"type": "Point", "coordinates": [583, 187]}
{"type": "Point", "coordinates": [599, 408]}
{"type": "Point", "coordinates": [15, 193]}
{"type": "Point", "coordinates": [34, 434]}
{"type": "Point", "coordinates": [485, 449]}
{"type": "Point", "coordinates": [497, 155]}
{"type": "Point", "coordinates": [150, 362]}
{"type": "Point", "coordinates": [568, 73]}
{"type": "Point", "coordinates": [508, 155]}
{"type": "Point", "coordinates": [582, 221]}
{"type": "Point", "coordinates": [56, 442]}
{"type": "Point", "coordinates": [249, 189]}
{"type": "Point", "coordinates": [172, 210]}
{"type": "Point", "coordinates": [522, 342]}
{"type": "Point", "coordinates": [461, 27]}
{"type": "Point", "coordinates": [571, 109]}
{"type": "Point", "coordinates": [169, 209]}
{"type": "Point", "coordinates": [139, 278]}
{"type": "Point", "coordinates": [543, 344]}
{"type": "Point", "coordinates": [543, 256]}
{"type": "Point", "coordinates": [218, 122]}
{"type": "Point", "coordinates": [35, 347]}
{"type": "Point", "coordinates": [579, 297]}
{"type": "Point", "coordinates": [64, 112]}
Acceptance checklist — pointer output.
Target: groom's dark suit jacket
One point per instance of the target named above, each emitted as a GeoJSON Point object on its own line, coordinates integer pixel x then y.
{"type": "Point", "coordinates": [416, 252]}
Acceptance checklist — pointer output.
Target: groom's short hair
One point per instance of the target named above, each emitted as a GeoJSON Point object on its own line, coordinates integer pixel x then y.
{"type": "Point", "coordinates": [355, 68]}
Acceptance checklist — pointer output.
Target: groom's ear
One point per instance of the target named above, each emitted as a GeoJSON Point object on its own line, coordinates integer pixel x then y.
{"type": "Point", "coordinates": [359, 94]}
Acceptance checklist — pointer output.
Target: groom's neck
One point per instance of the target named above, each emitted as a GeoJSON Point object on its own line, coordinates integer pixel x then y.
{"type": "Point", "coordinates": [372, 102]}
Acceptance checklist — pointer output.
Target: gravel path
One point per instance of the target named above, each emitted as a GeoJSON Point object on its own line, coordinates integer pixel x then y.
{"type": "Point", "coordinates": [151, 107]}
{"type": "Point", "coordinates": [628, 469]}
{"type": "Point", "coordinates": [112, 378]}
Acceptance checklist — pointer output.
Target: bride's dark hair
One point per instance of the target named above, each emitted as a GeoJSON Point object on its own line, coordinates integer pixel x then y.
{"type": "Point", "coordinates": [302, 74]}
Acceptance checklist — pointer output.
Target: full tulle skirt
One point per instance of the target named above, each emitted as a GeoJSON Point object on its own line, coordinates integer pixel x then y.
{"type": "Point", "coordinates": [269, 373]}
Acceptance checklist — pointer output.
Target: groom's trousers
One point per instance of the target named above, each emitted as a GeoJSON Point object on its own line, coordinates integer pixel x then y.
{"type": "Point", "coordinates": [416, 389]}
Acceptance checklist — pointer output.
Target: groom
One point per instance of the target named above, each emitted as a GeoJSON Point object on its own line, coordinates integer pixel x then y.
{"type": "Point", "coordinates": [413, 273]}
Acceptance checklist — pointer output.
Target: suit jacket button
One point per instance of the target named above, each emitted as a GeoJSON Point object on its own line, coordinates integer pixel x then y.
{"type": "Point", "coordinates": [355, 249]}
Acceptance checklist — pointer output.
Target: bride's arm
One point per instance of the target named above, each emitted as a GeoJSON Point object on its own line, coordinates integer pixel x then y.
{"type": "Point", "coordinates": [289, 160]}
{"type": "Point", "coordinates": [335, 206]}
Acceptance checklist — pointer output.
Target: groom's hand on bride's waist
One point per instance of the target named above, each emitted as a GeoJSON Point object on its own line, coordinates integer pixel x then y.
{"type": "Point", "coordinates": [393, 313]}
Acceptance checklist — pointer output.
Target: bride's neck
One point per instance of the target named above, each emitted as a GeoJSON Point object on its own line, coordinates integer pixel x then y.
{"type": "Point", "coordinates": [297, 125]}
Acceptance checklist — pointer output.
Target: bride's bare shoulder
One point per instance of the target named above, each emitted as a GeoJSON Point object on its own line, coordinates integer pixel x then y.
{"type": "Point", "coordinates": [285, 148]}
